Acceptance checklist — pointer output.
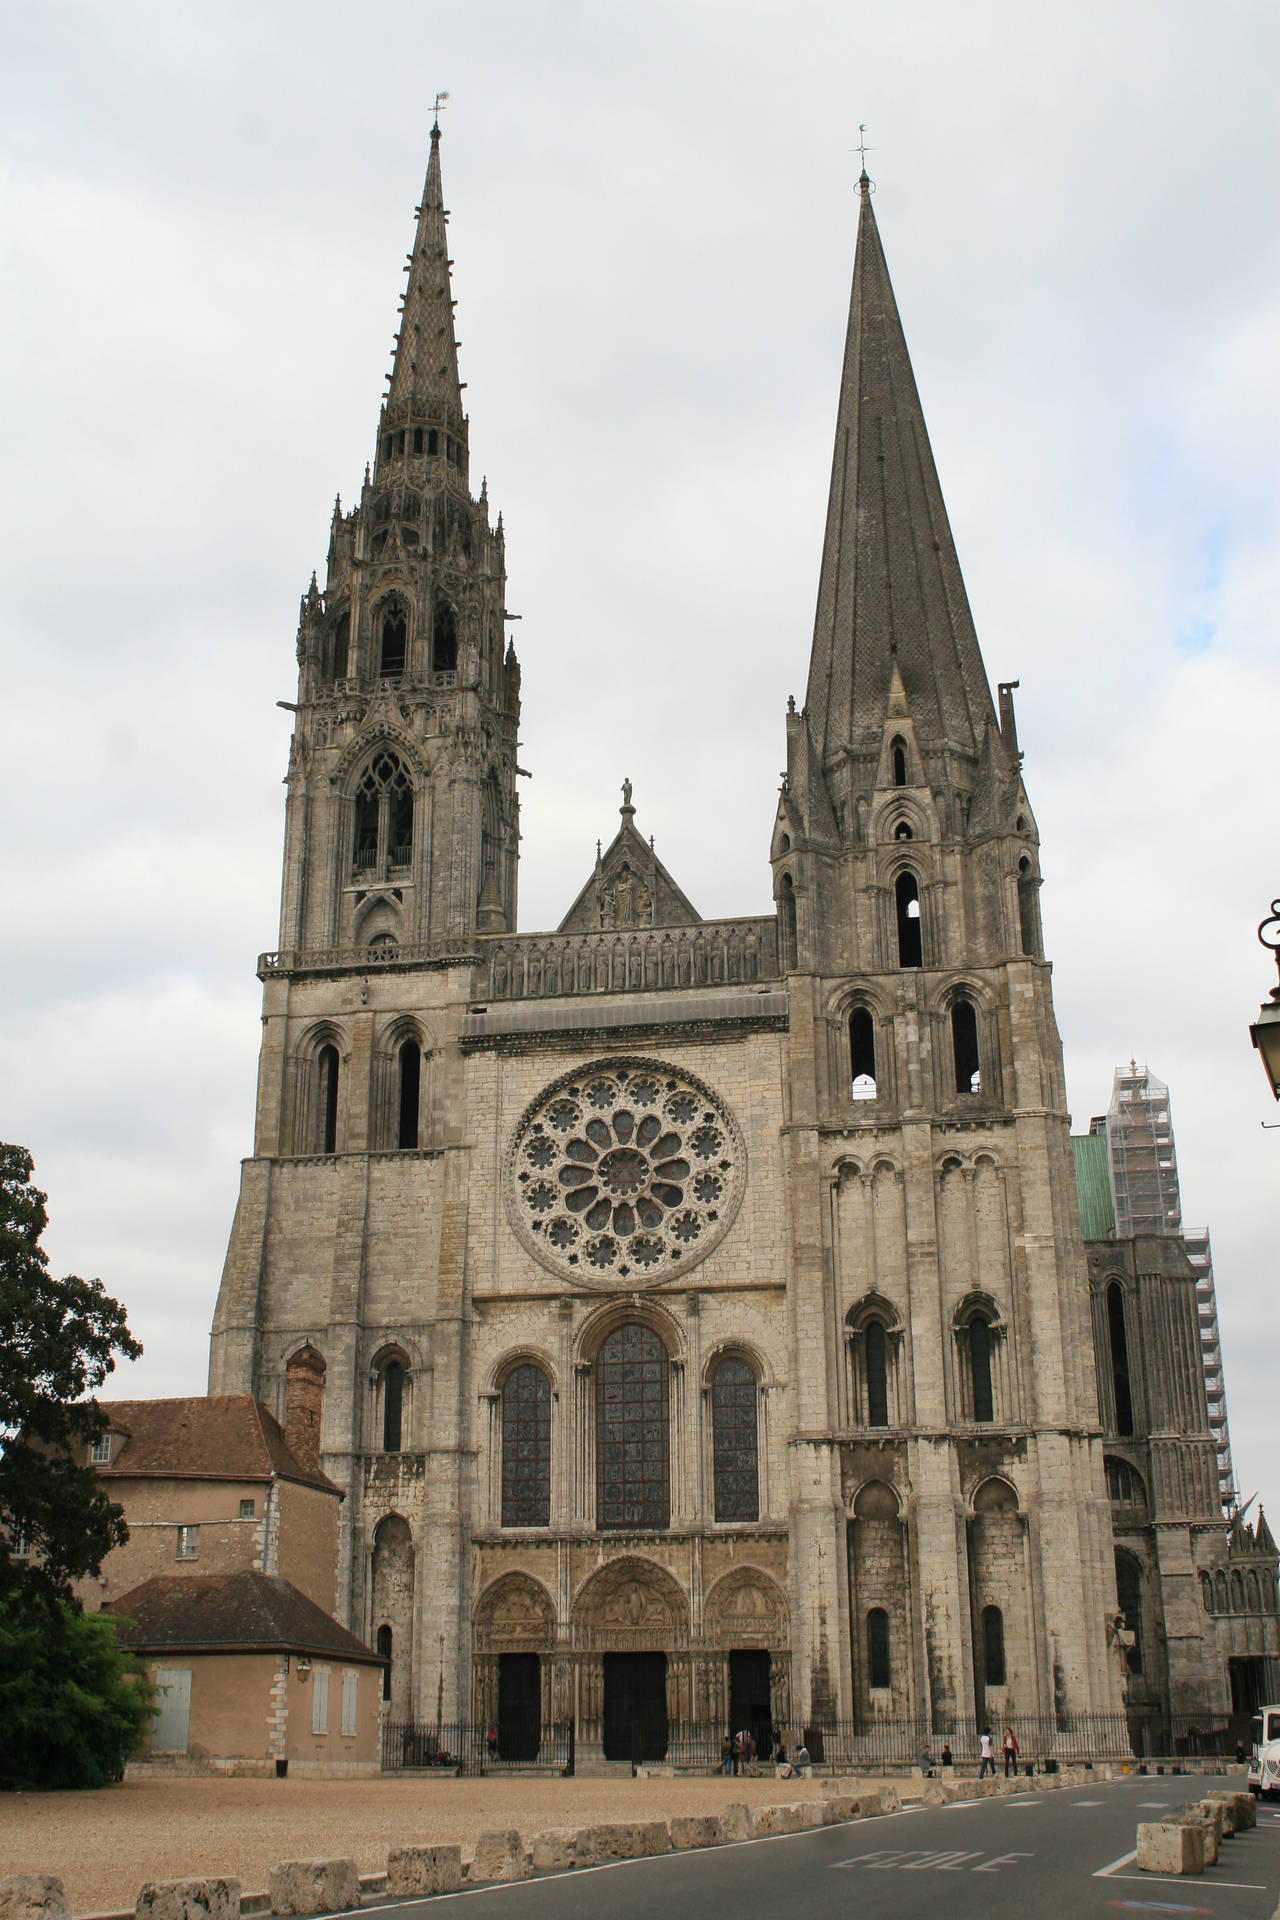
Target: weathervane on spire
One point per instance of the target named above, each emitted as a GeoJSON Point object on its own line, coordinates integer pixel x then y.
{"type": "Point", "coordinates": [441, 97]}
{"type": "Point", "coordinates": [863, 150]}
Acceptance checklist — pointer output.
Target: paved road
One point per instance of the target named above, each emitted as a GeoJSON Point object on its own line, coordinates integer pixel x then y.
{"type": "Point", "coordinates": [1054, 1856]}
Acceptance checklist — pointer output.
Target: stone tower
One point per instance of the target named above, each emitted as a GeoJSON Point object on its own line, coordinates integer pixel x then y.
{"type": "Point", "coordinates": [693, 1312]}
{"type": "Point", "coordinates": [947, 1402]}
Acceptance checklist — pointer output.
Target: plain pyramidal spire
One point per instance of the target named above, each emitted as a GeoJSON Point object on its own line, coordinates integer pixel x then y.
{"type": "Point", "coordinates": [890, 593]}
{"type": "Point", "coordinates": [424, 377]}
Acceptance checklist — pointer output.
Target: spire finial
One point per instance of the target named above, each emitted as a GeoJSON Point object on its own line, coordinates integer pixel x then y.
{"type": "Point", "coordinates": [864, 184]}
{"type": "Point", "coordinates": [441, 98]}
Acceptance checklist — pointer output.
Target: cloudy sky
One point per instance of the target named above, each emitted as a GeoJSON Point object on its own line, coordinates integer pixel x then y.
{"type": "Point", "coordinates": [204, 213]}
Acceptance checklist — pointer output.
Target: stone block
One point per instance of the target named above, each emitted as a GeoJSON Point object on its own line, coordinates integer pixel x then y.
{"type": "Point", "coordinates": [32, 1896]}
{"type": "Point", "coordinates": [890, 1800]}
{"type": "Point", "coordinates": [787, 1818]}
{"type": "Point", "coordinates": [1194, 1815]}
{"type": "Point", "coordinates": [555, 1848]}
{"type": "Point", "coordinates": [735, 1821]}
{"type": "Point", "coordinates": [632, 1839]}
{"type": "Point", "coordinates": [1170, 1847]}
{"type": "Point", "coordinates": [694, 1830]}
{"type": "Point", "coordinates": [933, 1794]}
{"type": "Point", "coordinates": [204, 1899]}
{"type": "Point", "coordinates": [841, 1806]}
{"type": "Point", "coordinates": [1240, 1810]}
{"type": "Point", "coordinates": [418, 1870]}
{"type": "Point", "coordinates": [500, 1855]}
{"type": "Point", "coordinates": [813, 1813]}
{"type": "Point", "coordinates": [314, 1886]}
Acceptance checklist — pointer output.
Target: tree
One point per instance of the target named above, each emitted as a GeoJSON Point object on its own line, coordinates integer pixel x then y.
{"type": "Point", "coordinates": [58, 1342]}
{"type": "Point", "coordinates": [73, 1706]}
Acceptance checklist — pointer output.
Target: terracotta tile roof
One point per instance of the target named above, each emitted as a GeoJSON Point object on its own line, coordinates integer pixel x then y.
{"type": "Point", "coordinates": [226, 1436]}
{"type": "Point", "coordinates": [231, 1612]}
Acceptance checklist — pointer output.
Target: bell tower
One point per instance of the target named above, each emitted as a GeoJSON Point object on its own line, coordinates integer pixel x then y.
{"type": "Point", "coordinates": [402, 811]}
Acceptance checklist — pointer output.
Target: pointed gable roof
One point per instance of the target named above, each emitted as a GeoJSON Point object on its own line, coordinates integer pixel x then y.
{"type": "Point", "coordinates": [424, 377]}
{"type": "Point", "coordinates": [890, 577]}
{"type": "Point", "coordinates": [630, 887]}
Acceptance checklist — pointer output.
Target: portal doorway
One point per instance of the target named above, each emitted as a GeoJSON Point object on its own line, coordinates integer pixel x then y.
{"type": "Point", "coordinates": [519, 1706]}
{"type": "Point", "coordinates": [635, 1706]}
{"type": "Point", "coordinates": [1248, 1678]}
{"type": "Point", "coordinates": [750, 1706]}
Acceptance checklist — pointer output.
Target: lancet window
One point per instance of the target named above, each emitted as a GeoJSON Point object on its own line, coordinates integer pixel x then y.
{"type": "Point", "coordinates": [395, 642]}
{"type": "Point", "coordinates": [633, 1471]}
{"type": "Point", "coordinates": [1119, 1358]}
{"type": "Point", "coordinates": [964, 1047]}
{"type": "Point", "coordinates": [526, 1447]}
{"type": "Point", "coordinates": [382, 838]}
{"type": "Point", "coordinates": [444, 639]}
{"type": "Point", "coordinates": [862, 1054]}
{"type": "Point", "coordinates": [993, 1647]}
{"type": "Point", "coordinates": [910, 944]}
{"type": "Point", "coordinates": [735, 1441]}
{"type": "Point", "coordinates": [879, 1672]}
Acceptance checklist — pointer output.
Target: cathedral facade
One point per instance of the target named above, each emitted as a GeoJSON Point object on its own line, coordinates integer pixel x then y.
{"type": "Point", "coordinates": [695, 1313]}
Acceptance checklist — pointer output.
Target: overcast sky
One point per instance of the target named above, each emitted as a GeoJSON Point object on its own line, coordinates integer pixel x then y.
{"type": "Point", "coordinates": [204, 213]}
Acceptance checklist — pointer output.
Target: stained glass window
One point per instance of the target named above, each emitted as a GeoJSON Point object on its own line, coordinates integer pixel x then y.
{"type": "Point", "coordinates": [733, 1430]}
{"type": "Point", "coordinates": [633, 1477]}
{"type": "Point", "coordinates": [526, 1448]}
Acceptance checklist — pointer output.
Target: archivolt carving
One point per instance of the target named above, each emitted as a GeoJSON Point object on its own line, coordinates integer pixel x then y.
{"type": "Point", "coordinates": [632, 1606]}
{"type": "Point", "coordinates": [624, 1173]}
{"type": "Point", "coordinates": [515, 1614]}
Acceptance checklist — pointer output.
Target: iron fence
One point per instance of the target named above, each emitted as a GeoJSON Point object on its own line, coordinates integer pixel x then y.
{"type": "Point", "coordinates": [459, 1747]}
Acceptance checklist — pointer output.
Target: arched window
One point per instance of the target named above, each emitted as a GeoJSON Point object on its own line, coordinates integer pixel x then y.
{"type": "Point", "coordinates": [993, 1647]}
{"type": "Point", "coordinates": [1028, 918]}
{"type": "Point", "coordinates": [964, 1046]}
{"type": "Point", "coordinates": [787, 923]}
{"type": "Point", "coordinates": [383, 828]}
{"type": "Point", "coordinates": [980, 1368]}
{"type": "Point", "coordinates": [862, 1053]}
{"type": "Point", "coordinates": [910, 946]}
{"type": "Point", "coordinates": [341, 643]}
{"type": "Point", "coordinates": [734, 1441]}
{"type": "Point", "coordinates": [902, 831]}
{"type": "Point", "coordinates": [327, 1100]}
{"type": "Point", "coordinates": [304, 1377]}
{"type": "Point", "coordinates": [526, 1447]}
{"type": "Point", "coordinates": [382, 1646]}
{"type": "Point", "coordinates": [1119, 1358]}
{"type": "Point", "coordinates": [410, 1090]}
{"type": "Point", "coordinates": [898, 749]}
{"type": "Point", "coordinates": [633, 1477]}
{"type": "Point", "coordinates": [444, 639]}
{"type": "Point", "coordinates": [1129, 1601]}
{"type": "Point", "coordinates": [395, 642]}
{"type": "Point", "coordinates": [875, 1347]}
{"type": "Point", "coordinates": [1124, 1484]}
{"type": "Point", "coordinates": [392, 1405]}
{"type": "Point", "coordinates": [878, 1669]}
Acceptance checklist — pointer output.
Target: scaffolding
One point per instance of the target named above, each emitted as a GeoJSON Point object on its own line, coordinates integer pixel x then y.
{"type": "Point", "coordinates": [1144, 1188]}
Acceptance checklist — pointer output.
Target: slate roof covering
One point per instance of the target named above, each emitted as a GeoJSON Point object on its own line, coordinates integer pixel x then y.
{"type": "Point", "coordinates": [890, 574]}
{"type": "Point", "coordinates": [424, 375]}
{"type": "Point", "coordinates": [231, 1613]}
{"type": "Point", "coordinates": [1093, 1186]}
{"type": "Point", "coordinates": [225, 1436]}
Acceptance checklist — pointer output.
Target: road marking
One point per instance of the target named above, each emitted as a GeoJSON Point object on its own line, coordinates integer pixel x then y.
{"type": "Point", "coordinates": [1172, 1880]}
{"type": "Point", "coordinates": [1086, 1803]}
{"type": "Point", "coordinates": [1153, 1803]}
{"type": "Point", "coordinates": [886, 1860]}
{"type": "Point", "coordinates": [1156, 1906]}
{"type": "Point", "coordinates": [1104, 1873]}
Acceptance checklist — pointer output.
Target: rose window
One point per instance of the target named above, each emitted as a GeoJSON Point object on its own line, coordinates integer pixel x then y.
{"type": "Point", "coordinates": [625, 1172]}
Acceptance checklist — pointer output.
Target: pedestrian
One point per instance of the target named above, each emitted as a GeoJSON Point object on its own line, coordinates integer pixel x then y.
{"type": "Point", "coordinates": [947, 1760]}
{"type": "Point", "coordinates": [739, 1753]}
{"type": "Point", "coordinates": [491, 1742]}
{"type": "Point", "coordinates": [800, 1766]}
{"type": "Point", "coordinates": [986, 1754]}
{"type": "Point", "coordinates": [1009, 1748]}
{"type": "Point", "coordinates": [780, 1761]}
{"type": "Point", "coordinates": [726, 1754]}
{"type": "Point", "coordinates": [925, 1763]}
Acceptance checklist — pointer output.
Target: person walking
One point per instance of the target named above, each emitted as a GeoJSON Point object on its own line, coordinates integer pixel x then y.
{"type": "Point", "coordinates": [726, 1754]}
{"type": "Point", "coordinates": [986, 1755]}
{"type": "Point", "coordinates": [1009, 1748]}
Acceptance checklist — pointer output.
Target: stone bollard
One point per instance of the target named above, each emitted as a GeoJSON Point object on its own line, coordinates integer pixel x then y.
{"type": "Point", "coordinates": [32, 1896]}
{"type": "Point", "coordinates": [417, 1870]}
{"type": "Point", "coordinates": [1195, 1814]}
{"type": "Point", "coordinates": [790, 1817]}
{"type": "Point", "coordinates": [500, 1855]}
{"type": "Point", "coordinates": [841, 1806]}
{"type": "Point", "coordinates": [1240, 1810]}
{"type": "Point", "coordinates": [556, 1848]}
{"type": "Point", "coordinates": [694, 1830]}
{"type": "Point", "coordinates": [189, 1900]}
{"type": "Point", "coordinates": [1170, 1847]}
{"type": "Point", "coordinates": [314, 1886]}
{"type": "Point", "coordinates": [735, 1821]}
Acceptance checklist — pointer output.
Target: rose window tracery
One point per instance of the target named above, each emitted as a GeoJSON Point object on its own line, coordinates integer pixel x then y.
{"type": "Point", "coordinates": [625, 1173]}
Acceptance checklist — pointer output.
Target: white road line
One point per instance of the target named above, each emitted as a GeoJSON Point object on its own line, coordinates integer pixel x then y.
{"type": "Point", "coordinates": [1153, 1803]}
{"type": "Point", "coordinates": [1104, 1873]}
{"type": "Point", "coordinates": [1184, 1881]}
{"type": "Point", "coordinates": [1086, 1803]}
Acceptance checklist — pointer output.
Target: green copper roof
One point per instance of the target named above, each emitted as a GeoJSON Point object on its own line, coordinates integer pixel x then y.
{"type": "Point", "coordinates": [1093, 1184]}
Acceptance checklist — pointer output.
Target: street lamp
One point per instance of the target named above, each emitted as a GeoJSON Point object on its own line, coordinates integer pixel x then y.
{"type": "Point", "coordinates": [1265, 1032]}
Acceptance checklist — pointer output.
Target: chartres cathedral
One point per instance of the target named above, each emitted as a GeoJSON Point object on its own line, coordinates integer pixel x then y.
{"type": "Point", "coordinates": [694, 1313]}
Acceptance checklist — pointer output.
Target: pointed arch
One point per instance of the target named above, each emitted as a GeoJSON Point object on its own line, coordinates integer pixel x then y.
{"type": "Point", "coordinates": [906, 892]}
{"type": "Point", "coordinates": [444, 637]}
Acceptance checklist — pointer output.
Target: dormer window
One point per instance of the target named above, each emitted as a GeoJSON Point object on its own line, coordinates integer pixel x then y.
{"type": "Point", "coordinates": [100, 1451]}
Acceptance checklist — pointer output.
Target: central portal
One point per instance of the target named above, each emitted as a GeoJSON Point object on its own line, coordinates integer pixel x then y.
{"type": "Point", "coordinates": [635, 1706]}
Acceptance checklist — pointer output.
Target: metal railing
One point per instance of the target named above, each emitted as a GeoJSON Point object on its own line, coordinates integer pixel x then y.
{"type": "Point", "coordinates": [460, 1747]}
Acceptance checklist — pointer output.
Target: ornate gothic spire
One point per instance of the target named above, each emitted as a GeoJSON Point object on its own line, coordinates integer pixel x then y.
{"type": "Point", "coordinates": [890, 587]}
{"type": "Point", "coordinates": [424, 379]}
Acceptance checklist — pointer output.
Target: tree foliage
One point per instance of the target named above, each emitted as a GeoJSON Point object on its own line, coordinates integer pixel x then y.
{"type": "Point", "coordinates": [58, 1342]}
{"type": "Point", "coordinates": [73, 1705]}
